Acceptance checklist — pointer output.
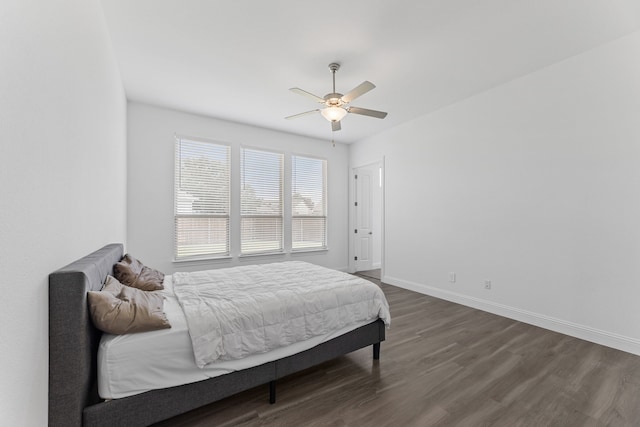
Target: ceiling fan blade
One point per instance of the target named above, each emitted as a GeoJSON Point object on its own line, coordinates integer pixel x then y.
{"type": "Point", "coordinates": [335, 126]}
{"type": "Point", "coordinates": [359, 90]}
{"type": "Point", "coordinates": [367, 112]}
{"type": "Point", "coordinates": [307, 94]}
{"type": "Point", "coordinates": [295, 116]}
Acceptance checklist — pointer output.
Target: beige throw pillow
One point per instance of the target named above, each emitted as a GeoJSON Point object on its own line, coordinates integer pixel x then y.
{"type": "Point", "coordinates": [132, 272]}
{"type": "Point", "coordinates": [119, 309]}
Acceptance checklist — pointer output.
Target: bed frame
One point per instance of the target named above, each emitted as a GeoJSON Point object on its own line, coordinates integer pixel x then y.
{"type": "Point", "coordinates": [73, 349]}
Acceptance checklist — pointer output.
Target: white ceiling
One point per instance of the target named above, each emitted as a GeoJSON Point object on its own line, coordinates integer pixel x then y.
{"type": "Point", "coordinates": [236, 59]}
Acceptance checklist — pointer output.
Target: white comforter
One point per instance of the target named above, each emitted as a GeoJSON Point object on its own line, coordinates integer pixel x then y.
{"type": "Point", "coordinates": [235, 312]}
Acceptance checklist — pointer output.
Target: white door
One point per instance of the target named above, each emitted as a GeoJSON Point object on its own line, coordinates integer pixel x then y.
{"type": "Point", "coordinates": [364, 179]}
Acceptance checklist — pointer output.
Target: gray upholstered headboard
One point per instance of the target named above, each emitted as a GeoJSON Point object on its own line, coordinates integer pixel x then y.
{"type": "Point", "coordinates": [73, 340]}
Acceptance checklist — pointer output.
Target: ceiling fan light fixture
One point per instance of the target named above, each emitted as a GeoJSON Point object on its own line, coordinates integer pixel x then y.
{"type": "Point", "coordinates": [333, 114]}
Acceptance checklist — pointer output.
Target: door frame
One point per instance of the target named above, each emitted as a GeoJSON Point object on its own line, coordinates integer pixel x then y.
{"type": "Point", "coordinates": [352, 215]}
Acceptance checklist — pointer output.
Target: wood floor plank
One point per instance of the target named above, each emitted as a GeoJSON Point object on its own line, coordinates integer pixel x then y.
{"type": "Point", "coordinates": [445, 364]}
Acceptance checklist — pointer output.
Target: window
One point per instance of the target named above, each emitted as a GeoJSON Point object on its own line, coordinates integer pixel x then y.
{"type": "Point", "coordinates": [261, 201]}
{"type": "Point", "coordinates": [308, 203]}
{"type": "Point", "coordinates": [203, 213]}
{"type": "Point", "coordinates": [201, 199]}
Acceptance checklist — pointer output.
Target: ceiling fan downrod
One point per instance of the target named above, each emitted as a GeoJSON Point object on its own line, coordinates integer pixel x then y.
{"type": "Point", "coordinates": [334, 66]}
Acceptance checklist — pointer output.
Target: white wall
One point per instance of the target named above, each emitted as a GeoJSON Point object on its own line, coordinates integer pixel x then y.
{"type": "Point", "coordinates": [151, 146]}
{"type": "Point", "coordinates": [376, 216]}
{"type": "Point", "coordinates": [62, 175]}
{"type": "Point", "coordinates": [534, 185]}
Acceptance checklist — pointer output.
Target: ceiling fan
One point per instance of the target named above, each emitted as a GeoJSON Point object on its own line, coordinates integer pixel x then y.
{"type": "Point", "coordinates": [336, 105]}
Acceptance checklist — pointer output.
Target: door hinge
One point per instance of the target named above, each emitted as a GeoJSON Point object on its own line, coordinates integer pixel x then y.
{"type": "Point", "coordinates": [356, 177]}
{"type": "Point", "coordinates": [355, 231]}
{"type": "Point", "coordinates": [356, 203]}
{"type": "Point", "coordinates": [355, 258]}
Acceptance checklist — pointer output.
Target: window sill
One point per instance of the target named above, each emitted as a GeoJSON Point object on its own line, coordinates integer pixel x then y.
{"type": "Point", "coordinates": [292, 252]}
{"type": "Point", "coordinates": [205, 259]}
{"type": "Point", "coordinates": [259, 254]}
{"type": "Point", "coordinates": [305, 251]}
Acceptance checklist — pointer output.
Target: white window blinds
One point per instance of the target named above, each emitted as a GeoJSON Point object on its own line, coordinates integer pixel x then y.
{"type": "Point", "coordinates": [308, 203]}
{"type": "Point", "coordinates": [261, 201]}
{"type": "Point", "coordinates": [201, 199]}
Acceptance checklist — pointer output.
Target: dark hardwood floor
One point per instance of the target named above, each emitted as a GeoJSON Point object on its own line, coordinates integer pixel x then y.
{"type": "Point", "coordinates": [444, 364]}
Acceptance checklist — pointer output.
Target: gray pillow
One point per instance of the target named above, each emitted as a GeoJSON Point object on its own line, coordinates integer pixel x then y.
{"type": "Point", "coordinates": [119, 309]}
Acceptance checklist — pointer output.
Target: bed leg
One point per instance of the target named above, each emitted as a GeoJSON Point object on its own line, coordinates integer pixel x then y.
{"type": "Point", "coordinates": [272, 392]}
{"type": "Point", "coordinates": [376, 351]}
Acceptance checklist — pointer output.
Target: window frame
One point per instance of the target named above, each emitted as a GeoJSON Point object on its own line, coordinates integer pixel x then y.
{"type": "Point", "coordinates": [177, 188]}
{"type": "Point", "coordinates": [241, 217]}
{"type": "Point", "coordinates": [325, 200]}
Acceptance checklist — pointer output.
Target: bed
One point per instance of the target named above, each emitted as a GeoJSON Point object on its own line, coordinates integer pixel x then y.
{"type": "Point", "coordinates": [73, 358]}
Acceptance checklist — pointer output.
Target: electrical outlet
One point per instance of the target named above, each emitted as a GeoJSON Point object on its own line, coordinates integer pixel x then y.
{"type": "Point", "coordinates": [487, 284]}
{"type": "Point", "coordinates": [452, 277]}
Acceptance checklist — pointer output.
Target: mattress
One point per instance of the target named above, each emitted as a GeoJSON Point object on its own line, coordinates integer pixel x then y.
{"type": "Point", "coordinates": [136, 363]}
{"type": "Point", "coordinates": [239, 311]}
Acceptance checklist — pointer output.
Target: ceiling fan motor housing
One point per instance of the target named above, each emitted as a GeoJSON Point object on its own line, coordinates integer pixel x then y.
{"type": "Point", "coordinates": [333, 99]}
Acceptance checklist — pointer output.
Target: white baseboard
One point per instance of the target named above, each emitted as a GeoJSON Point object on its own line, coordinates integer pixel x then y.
{"type": "Point", "coordinates": [619, 342]}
